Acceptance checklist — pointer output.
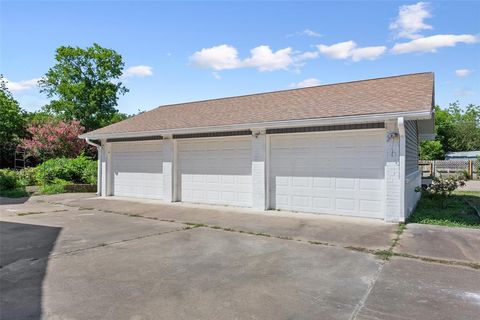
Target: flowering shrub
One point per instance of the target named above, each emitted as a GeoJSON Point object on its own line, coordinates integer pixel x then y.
{"type": "Point", "coordinates": [54, 139]}
{"type": "Point", "coordinates": [443, 188]}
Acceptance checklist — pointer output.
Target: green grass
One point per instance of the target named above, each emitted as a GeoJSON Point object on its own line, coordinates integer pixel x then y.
{"type": "Point", "coordinates": [52, 189]}
{"type": "Point", "coordinates": [458, 212]}
{"type": "Point", "coordinates": [15, 193]}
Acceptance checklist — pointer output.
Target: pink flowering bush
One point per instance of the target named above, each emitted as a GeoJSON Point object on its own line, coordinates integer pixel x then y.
{"type": "Point", "coordinates": [54, 139]}
{"type": "Point", "coordinates": [442, 188]}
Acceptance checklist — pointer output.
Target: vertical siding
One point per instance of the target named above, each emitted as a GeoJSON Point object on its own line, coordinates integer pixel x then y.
{"type": "Point", "coordinates": [411, 145]}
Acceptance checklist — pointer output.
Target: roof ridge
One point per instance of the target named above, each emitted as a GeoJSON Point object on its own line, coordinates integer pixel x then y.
{"type": "Point", "coordinates": [287, 90]}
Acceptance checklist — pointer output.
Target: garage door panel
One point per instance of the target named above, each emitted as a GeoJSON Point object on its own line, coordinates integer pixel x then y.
{"type": "Point", "coordinates": [370, 206]}
{"type": "Point", "coordinates": [329, 172]}
{"type": "Point", "coordinates": [345, 204]}
{"type": "Point", "coordinates": [370, 184]}
{"type": "Point", "coordinates": [322, 183]}
{"type": "Point", "coordinates": [216, 171]}
{"type": "Point", "coordinates": [138, 169]}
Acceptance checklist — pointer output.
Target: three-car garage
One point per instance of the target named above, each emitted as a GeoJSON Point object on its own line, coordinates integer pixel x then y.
{"type": "Point", "coordinates": [335, 172]}
{"type": "Point", "coordinates": [346, 149]}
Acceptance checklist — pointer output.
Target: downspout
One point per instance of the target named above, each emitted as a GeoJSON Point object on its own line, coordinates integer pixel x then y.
{"type": "Point", "coordinates": [401, 131]}
{"type": "Point", "coordinates": [99, 165]}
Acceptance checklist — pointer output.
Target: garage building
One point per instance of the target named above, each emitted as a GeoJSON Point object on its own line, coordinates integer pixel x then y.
{"type": "Point", "coordinates": [346, 149]}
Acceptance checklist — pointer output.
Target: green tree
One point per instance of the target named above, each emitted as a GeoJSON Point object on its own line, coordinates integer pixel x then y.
{"type": "Point", "coordinates": [12, 128]}
{"type": "Point", "coordinates": [431, 150]}
{"type": "Point", "coordinates": [457, 129]}
{"type": "Point", "coordinates": [84, 85]}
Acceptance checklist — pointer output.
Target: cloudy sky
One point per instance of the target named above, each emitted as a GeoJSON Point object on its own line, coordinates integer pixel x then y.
{"type": "Point", "coordinates": [184, 51]}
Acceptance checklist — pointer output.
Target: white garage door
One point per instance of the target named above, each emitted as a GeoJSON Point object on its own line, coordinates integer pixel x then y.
{"type": "Point", "coordinates": [216, 171]}
{"type": "Point", "coordinates": [338, 172]}
{"type": "Point", "coordinates": [137, 169]}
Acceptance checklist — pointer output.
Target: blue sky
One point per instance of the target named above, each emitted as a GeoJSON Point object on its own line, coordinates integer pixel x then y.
{"type": "Point", "coordinates": [184, 51]}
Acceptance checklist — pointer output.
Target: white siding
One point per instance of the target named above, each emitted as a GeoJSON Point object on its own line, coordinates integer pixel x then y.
{"type": "Point", "coordinates": [329, 172]}
{"type": "Point", "coordinates": [413, 177]}
{"type": "Point", "coordinates": [411, 147]}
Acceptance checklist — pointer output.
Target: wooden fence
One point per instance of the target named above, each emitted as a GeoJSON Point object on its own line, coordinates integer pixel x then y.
{"type": "Point", "coordinates": [447, 168]}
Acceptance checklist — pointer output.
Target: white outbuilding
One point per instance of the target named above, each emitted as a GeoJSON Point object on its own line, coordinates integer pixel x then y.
{"type": "Point", "coordinates": [346, 149]}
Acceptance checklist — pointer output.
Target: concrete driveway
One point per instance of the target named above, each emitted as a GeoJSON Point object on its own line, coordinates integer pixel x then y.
{"type": "Point", "coordinates": [75, 256]}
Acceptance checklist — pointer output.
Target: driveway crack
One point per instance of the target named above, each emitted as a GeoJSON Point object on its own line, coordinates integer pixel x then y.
{"type": "Point", "coordinates": [363, 300]}
{"type": "Point", "coordinates": [120, 241]}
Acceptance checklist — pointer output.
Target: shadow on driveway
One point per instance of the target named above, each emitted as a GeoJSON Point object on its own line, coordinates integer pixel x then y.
{"type": "Point", "coordinates": [24, 252]}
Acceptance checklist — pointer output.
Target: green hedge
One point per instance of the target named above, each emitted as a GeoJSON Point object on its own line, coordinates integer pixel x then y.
{"type": "Point", "coordinates": [78, 170]}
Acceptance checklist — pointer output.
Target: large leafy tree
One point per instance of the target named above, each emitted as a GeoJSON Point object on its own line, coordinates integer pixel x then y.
{"type": "Point", "coordinates": [12, 124]}
{"type": "Point", "coordinates": [458, 129]}
{"type": "Point", "coordinates": [84, 85]}
{"type": "Point", "coordinates": [12, 117]}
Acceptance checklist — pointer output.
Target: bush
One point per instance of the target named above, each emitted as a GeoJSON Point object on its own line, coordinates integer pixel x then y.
{"type": "Point", "coordinates": [11, 184]}
{"type": "Point", "coordinates": [56, 186]}
{"type": "Point", "coordinates": [442, 188]}
{"type": "Point", "coordinates": [27, 176]}
{"type": "Point", "coordinates": [77, 170]}
{"type": "Point", "coordinates": [89, 174]}
{"type": "Point", "coordinates": [8, 179]}
{"type": "Point", "coordinates": [15, 193]}
{"type": "Point", "coordinates": [51, 169]}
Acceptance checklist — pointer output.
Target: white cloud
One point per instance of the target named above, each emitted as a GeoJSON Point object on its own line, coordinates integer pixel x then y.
{"type": "Point", "coordinates": [462, 72]}
{"type": "Point", "coordinates": [311, 33]}
{"type": "Point", "coordinates": [138, 71]}
{"type": "Point", "coordinates": [218, 58]}
{"type": "Point", "coordinates": [226, 57]}
{"type": "Point", "coordinates": [21, 85]}
{"type": "Point", "coordinates": [308, 55]}
{"type": "Point", "coordinates": [306, 83]}
{"type": "Point", "coordinates": [216, 75]}
{"type": "Point", "coordinates": [265, 59]}
{"type": "Point", "coordinates": [368, 53]}
{"type": "Point", "coordinates": [341, 50]}
{"type": "Point", "coordinates": [432, 43]}
{"type": "Point", "coordinates": [349, 50]}
{"type": "Point", "coordinates": [410, 20]}
{"type": "Point", "coordinates": [306, 32]}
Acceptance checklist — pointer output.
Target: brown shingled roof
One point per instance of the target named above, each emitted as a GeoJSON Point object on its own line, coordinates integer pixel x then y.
{"type": "Point", "coordinates": [406, 93]}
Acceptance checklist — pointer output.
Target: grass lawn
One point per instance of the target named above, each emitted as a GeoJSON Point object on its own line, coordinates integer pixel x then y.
{"type": "Point", "coordinates": [457, 213]}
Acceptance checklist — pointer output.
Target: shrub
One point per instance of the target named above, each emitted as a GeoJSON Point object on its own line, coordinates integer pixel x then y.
{"type": "Point", "coordinates": [27, 176]}
{"type": "Point", "coordinates": [56, 186]}
{"type": "Point", "coordinates": [89, 174]}
{"type": "Point", "coordinates": [8, 179]}
{"type": "Point", "coordinates": [15, 193]}
{"type": "Point", "coordinates": [77, 170]}
{"type": "Point", "coordinates": [51, 169]}
{"type": "Point", "coordinates": [442, 188]}
{"type": "Point", "coordinates": [11, 184]}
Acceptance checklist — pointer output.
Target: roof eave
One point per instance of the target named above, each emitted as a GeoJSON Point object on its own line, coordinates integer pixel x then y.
{"type": "Point", "coordinates": [416, 115]}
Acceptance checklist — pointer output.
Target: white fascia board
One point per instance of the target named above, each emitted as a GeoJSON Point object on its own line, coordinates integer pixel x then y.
{"type": "Point", "coordinates": [271, 125]}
